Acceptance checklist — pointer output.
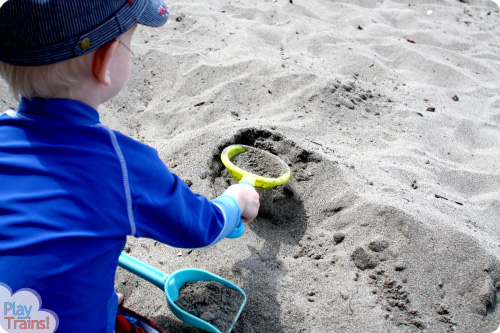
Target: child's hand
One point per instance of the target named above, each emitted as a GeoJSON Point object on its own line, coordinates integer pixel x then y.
{"type": "Point", "coordinates": [248, 198]}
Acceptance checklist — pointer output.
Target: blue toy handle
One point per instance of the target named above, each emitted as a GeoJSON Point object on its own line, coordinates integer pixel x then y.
{"type": "Point", "coordinates": [240, 228]}
{"type": "Point", "coordinates": [238, 231]}
{"type": "Point", "coordinates": [143, 270]}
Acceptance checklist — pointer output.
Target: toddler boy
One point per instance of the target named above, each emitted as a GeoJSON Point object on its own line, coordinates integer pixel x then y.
{"type": "Point", "coordinates": [71, 188]}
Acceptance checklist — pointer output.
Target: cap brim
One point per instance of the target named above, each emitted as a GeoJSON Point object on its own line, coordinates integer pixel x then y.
{"type": "Point", "coordinates": [49, 45]}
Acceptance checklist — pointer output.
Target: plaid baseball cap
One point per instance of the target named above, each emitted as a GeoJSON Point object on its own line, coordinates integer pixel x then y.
{"type": "Point", "coordinates": [42, 32]}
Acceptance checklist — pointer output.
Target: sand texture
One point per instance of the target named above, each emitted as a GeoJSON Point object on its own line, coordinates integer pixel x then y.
{"type": "Point", "coordinates": [212, 302]}
{"type": "Point", "coordinates": [388, 113]}
{"type": "Point", "coordinates": [260, 162]}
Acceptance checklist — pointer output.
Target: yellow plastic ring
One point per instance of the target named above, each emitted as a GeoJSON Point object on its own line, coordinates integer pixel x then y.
{"type": "Point", "coordinates": [238, 173]}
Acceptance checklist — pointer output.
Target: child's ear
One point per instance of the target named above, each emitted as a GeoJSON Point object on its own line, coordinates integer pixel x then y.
{"type": "Point", "coordinates": [102, 60]}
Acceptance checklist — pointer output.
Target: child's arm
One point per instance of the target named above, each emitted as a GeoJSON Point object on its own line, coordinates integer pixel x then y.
{"type": "Point", "coordinates": [161, 206]}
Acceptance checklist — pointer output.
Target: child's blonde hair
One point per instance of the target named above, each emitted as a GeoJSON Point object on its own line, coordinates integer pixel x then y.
{"type": "Point", "coordinates": [46, 81]}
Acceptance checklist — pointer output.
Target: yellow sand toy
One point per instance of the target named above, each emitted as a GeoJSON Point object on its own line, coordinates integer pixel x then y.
{"type": "Point", "coordinates": [248, 178]}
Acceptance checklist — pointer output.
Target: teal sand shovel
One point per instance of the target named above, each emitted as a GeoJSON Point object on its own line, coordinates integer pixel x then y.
{"type": "Point", "coordinates": [172, 284]}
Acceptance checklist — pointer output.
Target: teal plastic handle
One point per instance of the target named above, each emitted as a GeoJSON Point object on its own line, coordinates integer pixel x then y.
{"type": "Point", "coordinates": [143, 270]}
{"type": "Point", "coordinates": [238, 231]}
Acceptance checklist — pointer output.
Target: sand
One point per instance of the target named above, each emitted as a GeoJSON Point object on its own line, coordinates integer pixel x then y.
{"type": "Point", "coordinates": [212, 302]}
{"type": "Point", "coordinates": [260, 162]}
{"type": "Point", "coordinates": [389, 115]}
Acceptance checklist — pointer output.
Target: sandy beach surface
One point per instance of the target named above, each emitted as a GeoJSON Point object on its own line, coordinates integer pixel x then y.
{"type": "Point", "coordinates": [388, 113]}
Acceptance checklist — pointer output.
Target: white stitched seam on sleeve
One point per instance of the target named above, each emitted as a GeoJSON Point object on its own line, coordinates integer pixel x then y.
{"type": "Point", "coordinates": [126, 184]}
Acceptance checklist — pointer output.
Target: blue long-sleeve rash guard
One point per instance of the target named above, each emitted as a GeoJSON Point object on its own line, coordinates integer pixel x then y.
{"type": "Point", "coordinates": [71, 190]}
